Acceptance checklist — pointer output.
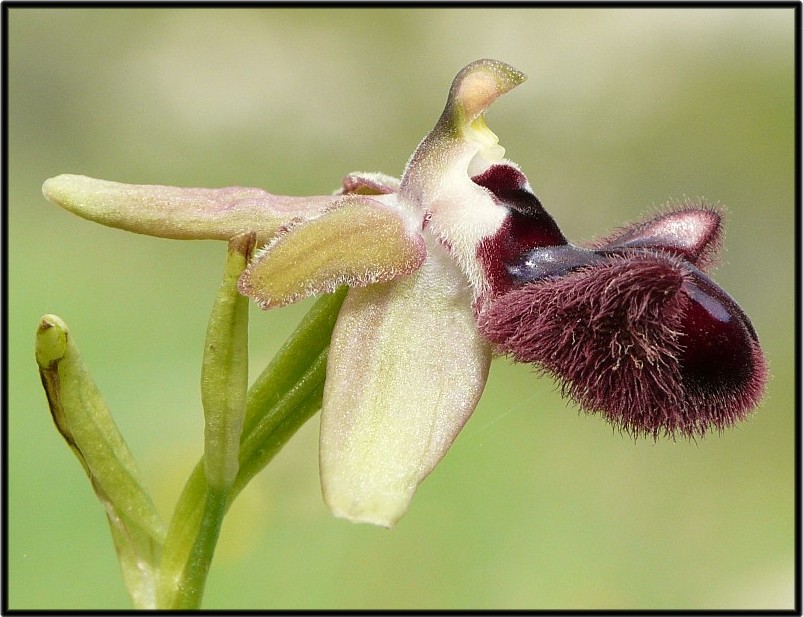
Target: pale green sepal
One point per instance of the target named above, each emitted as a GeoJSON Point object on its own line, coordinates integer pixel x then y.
{"type": "Point", "coordinates": [181, 213]}
{"type": "Point", "coordinates": [224, 372]}
{"type": "Point", "coordinates": [406, 370]}
{"type": "Point", "coordinates": [84, 421]}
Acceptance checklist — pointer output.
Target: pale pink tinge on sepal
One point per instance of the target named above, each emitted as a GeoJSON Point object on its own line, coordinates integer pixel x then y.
{"type": "Point", "coordinates": [691, 230]}
{"type": "Point", "coordinates": [182, 213]}
{"type": "Point", "coordinates": [368, 183]}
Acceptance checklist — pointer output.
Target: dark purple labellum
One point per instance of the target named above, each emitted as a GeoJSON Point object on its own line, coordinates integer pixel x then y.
{"type": "Point", "coordinates": [641, 336]}
{"type": "Point", "coordinates": [632, 326]}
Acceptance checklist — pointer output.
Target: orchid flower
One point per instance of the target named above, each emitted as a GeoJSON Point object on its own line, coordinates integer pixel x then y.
{"type": "Point", "coordinates": [449, 265]}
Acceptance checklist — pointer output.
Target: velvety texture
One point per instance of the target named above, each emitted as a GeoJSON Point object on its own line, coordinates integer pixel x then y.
{"type": "Point", "coordinates": [633, 327]}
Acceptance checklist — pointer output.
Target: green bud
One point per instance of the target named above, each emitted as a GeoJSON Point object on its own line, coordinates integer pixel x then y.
{"type": "Point", "coordinates": [224, 374]}
{"type": "Point", "coordinates": [82, 418]}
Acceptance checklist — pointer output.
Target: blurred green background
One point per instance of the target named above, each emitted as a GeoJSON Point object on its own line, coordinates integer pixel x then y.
{"type": "Point", "coordinates": [536, 505]}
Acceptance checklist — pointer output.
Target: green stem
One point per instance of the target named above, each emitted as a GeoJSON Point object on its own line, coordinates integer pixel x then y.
{"type": "Point", "coordinates": [299, 352]}
{"type": "Point", "coordinates": [191, 590]}
{"type": "Point", "coordinates": [257, 449]}
{"type": "Point", "coordinates": [275, 427]}
{"type": "Point", "coordinates": [287, 393]}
